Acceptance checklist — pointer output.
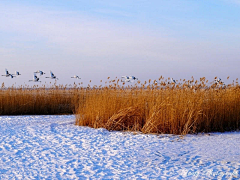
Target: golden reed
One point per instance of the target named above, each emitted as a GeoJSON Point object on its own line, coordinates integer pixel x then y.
{"type": "Point", "coordinates": [163, 107]}
{"type": "Point", "coordinates": [37, 100]}
{"type": "Point", "coordinates": [150, 107]}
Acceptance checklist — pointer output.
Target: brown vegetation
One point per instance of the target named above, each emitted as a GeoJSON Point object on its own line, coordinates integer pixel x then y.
{"type": "Point", "coordinates": [177, 108]}
{"type": "Point", "coordinates": [36, 100]}
{"type": "Point", "coordinates": [162, 108]}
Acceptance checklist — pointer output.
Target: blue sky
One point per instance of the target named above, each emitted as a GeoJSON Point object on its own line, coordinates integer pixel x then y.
{"type": "Point", "coordinates": [102, 38]}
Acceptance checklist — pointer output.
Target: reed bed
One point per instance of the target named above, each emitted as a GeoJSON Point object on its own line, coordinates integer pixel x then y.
{"type": "Point", "coordinates": [37, 100]}
{"type": "Point", "coordinates": [163, 107]}
{"type": "Point", "coordinates": [187, 106]}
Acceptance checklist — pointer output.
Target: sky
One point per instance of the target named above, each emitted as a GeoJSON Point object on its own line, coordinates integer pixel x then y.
{"type": "Point", "coordinates": [97, 39]}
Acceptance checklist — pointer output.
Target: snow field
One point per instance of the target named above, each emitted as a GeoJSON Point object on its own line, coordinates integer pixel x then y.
{"type": "Point", "coordinates": [52, 147]}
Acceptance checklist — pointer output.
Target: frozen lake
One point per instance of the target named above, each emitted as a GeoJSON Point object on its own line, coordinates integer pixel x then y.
{"type": "Point", "coordinates": [52, 147]}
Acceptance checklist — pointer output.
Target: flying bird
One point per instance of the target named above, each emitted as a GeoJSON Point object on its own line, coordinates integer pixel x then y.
{"type": "Point", "coordinates": [40, 72]}
{"type": "Point", "coordinates": [133, 78]}
{"type": "Point", "coordinates": [219, 82]}
{"type": "Point", "coordinates": [12, 76]}
{"type": "Point", "coordinates": [52, 76]}
{"type": "Point", "coordinates": [8, 74]}
{"type": "Point", "coordinates": [173, 80]}
{"type": "Point", "coordinates": [35, 78]}
{"type": "Point", "coordinates": [17, 73]}
{"type": "Point", "coordinates": [127, 78]}
{"type": "Point", "coordinates": [75, 76]}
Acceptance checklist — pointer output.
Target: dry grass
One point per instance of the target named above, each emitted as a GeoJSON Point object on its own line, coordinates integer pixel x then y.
{"type": "Point", "coordinates": [37, 100]}
{"type": "Point", "coordinates": [162, 108]}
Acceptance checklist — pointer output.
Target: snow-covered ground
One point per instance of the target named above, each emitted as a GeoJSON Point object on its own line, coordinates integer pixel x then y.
{"type": "Point", "coordinates": [52, 147]}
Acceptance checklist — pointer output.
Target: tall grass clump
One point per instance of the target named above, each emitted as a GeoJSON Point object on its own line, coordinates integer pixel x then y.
{"type": "Point", "coordinates": [163, 107]}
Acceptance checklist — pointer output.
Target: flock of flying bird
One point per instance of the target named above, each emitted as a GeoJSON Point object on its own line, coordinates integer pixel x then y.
{"type": "Point", "coordinates": [173, 81]}
{"type": "Point", "coordinates": [52, 76]}
{"type": "Point", "coordinates": [129, 78]}
{"type": "Point", "coordinates": [35, 78]}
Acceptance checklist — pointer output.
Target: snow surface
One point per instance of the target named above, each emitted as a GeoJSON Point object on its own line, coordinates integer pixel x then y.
{"type": "Point", "coordinates": [52, 147]}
